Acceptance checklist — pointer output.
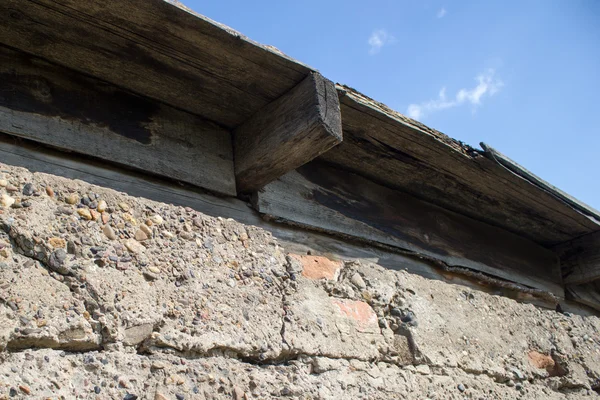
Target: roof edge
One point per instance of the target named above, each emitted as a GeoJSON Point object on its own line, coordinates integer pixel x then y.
{"type": "Point", "coordinates": [522, 172]}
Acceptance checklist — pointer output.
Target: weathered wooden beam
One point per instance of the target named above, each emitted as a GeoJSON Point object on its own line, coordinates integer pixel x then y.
{"type": "Point", "coordinates": [59, 107]}
{"type": "Point", "coordinates": [322, 197]}
{"type": "Point", "coordinates": [580, 259]}
{"type": "Point", "coordinates": [154, 48]}
{"type": "Point", "coordinates": [577, 205]}
{"type": "Point", "coordinates": [289, 132]}
{"type": "Point", "coordinates": [400, 153]}
{"type": "Point", "coordinates": [588, 294]}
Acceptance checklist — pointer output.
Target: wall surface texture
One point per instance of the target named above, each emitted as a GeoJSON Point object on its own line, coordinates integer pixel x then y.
{"type": "Point", "coordinates": [104, 295]}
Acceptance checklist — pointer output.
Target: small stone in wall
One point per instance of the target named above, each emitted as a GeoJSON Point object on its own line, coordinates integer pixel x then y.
{"type": "Point", "coordinates": [25, 389]}
{"type": "Point", "coordinates": [5, 252]}
{"type": "Point", "coordinates": [28, 189]}
{"type": "Point", "coordinates": [146, 229]}
{"type": "Point", "coordinates": [358, 281]}
{"type": "Point", "coordinates": [57, 242]}
{"type": "Point", "coordinates": [57, 260]}
{"type": "Point", "coordinates": [134, 247]}
{"type": "Point", "coordinates": [102, 206]}
{"type": "Point", "coordinates": [84, 213]}
{"type": "Point", "coordinates": [109, 232]}
{"type": "Point", "coordinates": [6, 201]}
{"type": "Point", "coordinates": [156, 219]}
{"type": "Point", "coordinates": [140, 235]}
{"type": "Point", "coordinates": [72, 198]}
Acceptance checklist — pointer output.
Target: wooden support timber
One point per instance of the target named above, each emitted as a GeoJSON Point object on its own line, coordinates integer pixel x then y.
{"type": "Point", "coordinates": [154, 48]}
{"type": "Point", "coordinates": [289, 132]}
{"type": "Point", "coordinates": [326, 198]}
{"type": "Point", "coordinates": [588, 294]}
{"type": "Point", "coordinates": [62, 108]}
{"type": "Point", "coordinates": [580, 259]}
{"type": "Point", "coordinates": [401, 153]}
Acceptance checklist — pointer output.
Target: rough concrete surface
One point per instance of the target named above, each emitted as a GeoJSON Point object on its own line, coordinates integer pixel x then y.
{"type": "Point", "coordinates": [107, 296]}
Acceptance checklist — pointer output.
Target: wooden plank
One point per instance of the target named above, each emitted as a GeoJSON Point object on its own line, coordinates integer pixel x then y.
{"type": "Point", "coordinates": [580, 259]}
{"type": "Point", "coordinates": [37, 158]}
{"type": "Point", "coordinates": [289, 132]}
{"type": "Point", "coordinates": [522, 172]}
{"type": "Point", "coordinates": [323, 197]}
{"type": "Point", "coordinates": [154, 48]}
{"type": "Point", "coordinates": [588, 294]}
{"type": "Point", "coordinates": [62, 108]}
{"type": "Point", "coordinates": [401, 153]}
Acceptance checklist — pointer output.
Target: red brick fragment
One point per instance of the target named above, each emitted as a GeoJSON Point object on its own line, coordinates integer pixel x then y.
{"type": "Point", "coordinates": [316, 267]}
{"type": "Point", "coordinates": [541, 361]}
{"type": "Point", "coordinates": [359, 311]}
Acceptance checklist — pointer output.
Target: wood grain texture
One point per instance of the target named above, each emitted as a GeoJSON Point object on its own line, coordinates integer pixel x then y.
{"type": "Point", "coordinates": [287, 133]}
{"type": "Point", "coordinates": [59, 107]}
{"type": "Point", "coordinates": [527, 175]}
{"type": "Point", "coordinates": [588, 294]}
{"type": "Point", "coordinates": [401, 153]}
{"type": "Point", "coordinates": [154, 48]}
{"type": "Point", "coordinates": [37, 158]}
{"type": "Point", "coordinates": [320, 196]}
{"type": "Point", "coordinates": [580, 259]}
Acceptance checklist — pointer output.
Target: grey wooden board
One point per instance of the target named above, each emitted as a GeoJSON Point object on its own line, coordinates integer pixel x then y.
{"type": "Point", "coordinates": [401, 153]}
{"type": "Point", "coordinates": [522, 172]}
{"type": "Point", "coordinates": [289, 132]}
{"type": "Point", "coordinates": [154, 48]}
{"type": "Point", "coordinates": [324, 197]}
{"type": "Point", "coordinates": [37, 158]}
{"type": "Point", "coordinates": [580, 259]}
{"type": "Point", "coordinates": [588, 294]}
{"type": "Point", "coordinates": [59, 107]}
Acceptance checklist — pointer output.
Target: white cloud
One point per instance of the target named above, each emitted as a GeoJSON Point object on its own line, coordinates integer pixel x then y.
{"type": "Point", "coordinates": [378, 39]}
{"type": "Point", "coordinates": [441, 13]}
{"type": "Point", "coordinates": [487, 85]}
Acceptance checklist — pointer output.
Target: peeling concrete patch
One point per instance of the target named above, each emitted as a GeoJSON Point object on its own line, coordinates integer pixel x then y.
{"type": "Point", "coordinates": [316, 325]}
{"type": "Point", "coordinates": [360, 312]}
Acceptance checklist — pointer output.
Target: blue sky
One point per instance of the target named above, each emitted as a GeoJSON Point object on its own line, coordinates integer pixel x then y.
{"type": "Point", "coordinates": [522, 76]}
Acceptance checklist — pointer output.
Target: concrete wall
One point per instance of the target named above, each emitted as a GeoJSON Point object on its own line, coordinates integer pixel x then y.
{"type": "Point", "coordinates": [103, 295]}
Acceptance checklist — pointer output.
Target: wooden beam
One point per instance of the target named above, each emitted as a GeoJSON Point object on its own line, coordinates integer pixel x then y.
{"type": "Point", "coordinates": [154, 48]}
{"type": "Point", "coordinates": [289, 132]}
{"type": "Point", "coordinates": [580, 259]}
{"type": "Point", "coordinates": [322, 197]}
{"type": "Point", "coordinates": [400, 153]}
{"type": "Point", "coordinates": [59, 107]}
{"type": "Point", "coordinates": [588, 294]}
{"type": "Point", "coordinates": [519, 170]}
